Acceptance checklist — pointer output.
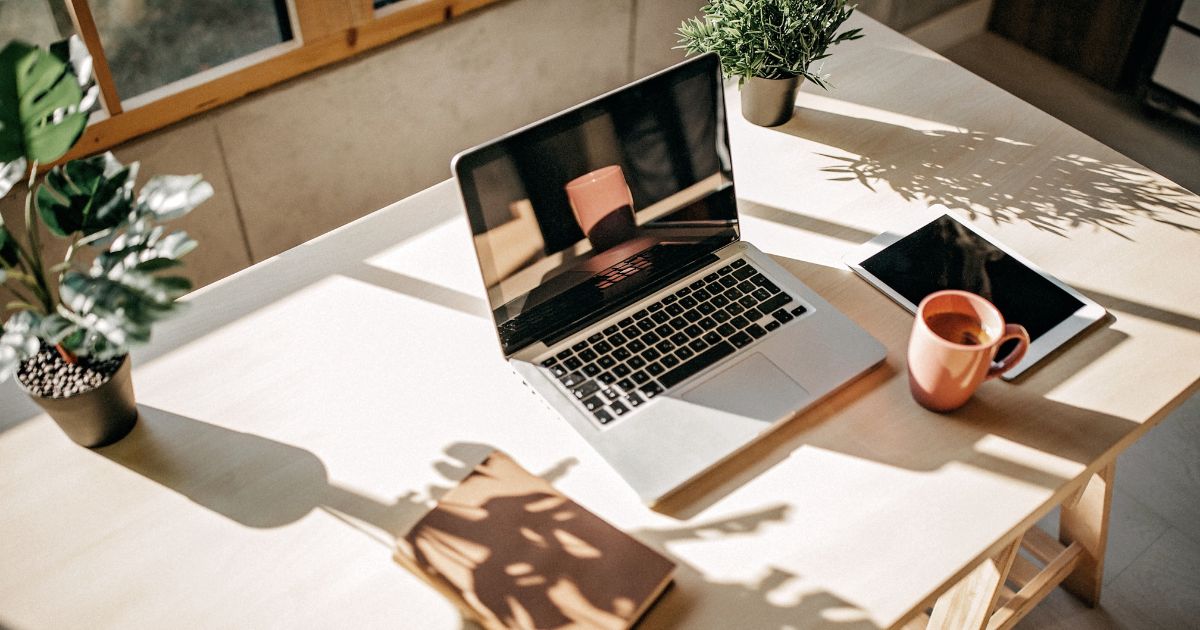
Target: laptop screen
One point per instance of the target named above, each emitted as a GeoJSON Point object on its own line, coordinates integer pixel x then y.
{"type": "Point", "coordinates": [586, 212]}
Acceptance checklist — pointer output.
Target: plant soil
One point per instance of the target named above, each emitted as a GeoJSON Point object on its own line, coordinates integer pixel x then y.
{"type": "Point", "coordinates": [47, 375]}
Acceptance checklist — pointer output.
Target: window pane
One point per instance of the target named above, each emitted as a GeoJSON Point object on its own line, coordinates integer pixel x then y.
{"type": "Point", "coordinates": [150, 43]}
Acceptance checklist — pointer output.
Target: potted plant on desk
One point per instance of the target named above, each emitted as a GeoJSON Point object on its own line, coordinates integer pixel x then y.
{"type": "Point", "coordinates": [69, 324]}
{"type": "Point", "coordinates": [770, 46]}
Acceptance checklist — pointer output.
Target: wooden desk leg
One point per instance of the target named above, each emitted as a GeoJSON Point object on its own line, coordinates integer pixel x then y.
{"type": "Point", "coordinates": [968, 605]}
{"type": "Point", "coordinates": [1086, 522]}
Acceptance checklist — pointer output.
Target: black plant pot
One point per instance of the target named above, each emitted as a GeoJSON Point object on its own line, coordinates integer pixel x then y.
{"type": "Point", "coordinates": [97, 417]}
{"type": "Point", "coordinates": [769, 102]}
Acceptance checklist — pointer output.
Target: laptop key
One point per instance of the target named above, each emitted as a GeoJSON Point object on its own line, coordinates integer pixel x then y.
{"type": "Point", "coordinates": [617, 339]}
{"type": "Point", "coordinates": [735, 309]}
{"type": "Point", "coordinates": [603, 416]}
{"type": "Point", "coordinates": [725, 270]}
{"type": "Point", "coordinates": [610, 330]}
{"type": "Point", "coordinates": [712, 337]}
{"type": "Point", "coordinates": [579, 346]}
{"type": "Point", "coordinates": [737, 263]}
{"type": "Point", "coordinates": [799, 310]}
{"type": "Point", "coordinates": [621, 354]}
{"type": "Point", "coordinates": [660, 317]}
{"type": "Point", "coordinates": [558, 371]}
{"type": "Point", "coordinates": [650, 339]}
{"type": "Point", "coordinates": [669, 300]}
{"type": "Point", "coordinates": [734, 294]}
{"type": "Point", "coordinates": [651, 354]}
{"type": "Point", "coordinates": [645, 324]}
{"type": "Point", "coordinates": [752, 314]}
{"type": "Point", "coordinates": [603, 347]}
{"type": "Point", "coordinates": [587, 389]}
{"type": "Point", "coordinates": [692, 315]}
{"type": "Point", "coordinates": [706, 308]}
{"type": "Point", "coordinates": [783, 316]}
{"type": "Point", "coordinates": [665, 346]}
{"type": "Point", "coordinates": [696, 285]}
{"type": "Point", "coordinates": [664, 331]}
{"type": "Point", "coordinates": [688, 302]}
{"type": "Point", "coordinates": [720, 301]}
{"type": "Point", "coordinates": [701, 295]}
{"type": "Point", "coordinates": [742, 274]}
{"type": "Point", "coordinates": [651, 390]}
{"type": "Point", "coordinates": [679, 338]}
{"type": "Point", "coordinates": [726, 329]}
{"type": "Point", "coordinates": [684, 353]}
{"type": "Point", "coordinates": [775, 303]}
{"type": "Point", "coordinates": [728, 281]}
{"type": "Point", "coordinates": [654, 369]}
{"type": "Point", "coordinates": [721, 317]}
{"type": "Point", "coordinates": [636, 346]}
{"type": "Point", "coordinates": [640, 377]}
{"type": "Point", "coordinates": [625, 384]}
{"type": "Point", "coordinates": [596, 337]}
{"type": "Point", "coordinates": [572, 379]}
{"type": "Point", "coordinates": [739, 322]}
{"type": "Point", "coordinates": [756, 331]}
{"type": "Point", "coordinates": [607, 378]}
{"type": "Point", "coordinates": [593, 403]}
{"type": "Point", "coordinates": [747, 301]}
{"type": "Point", "coordinates": [741, 339]}
{"type": "Point", "coordinates": [674, 310]}
{"type": "Point", "coordinates": [669, 361]}
{"type": "Point", "coordinates": [707, 323]}
{"type": "Point", "coordinates": [710, 277]}
{"type": "Point", "coordinates": [773, 325]}
{"type": "Point", "coordinates": [696, 364]}
{"type": "Point", "coordinates": [679, 323]}
{"type": "Point", "coordinates": [564, 354]}
{"type": "Point", "coordinates": [628, 321]}
{"type": "Point", "coordinates": [637, 363]}
{"type": "Point", "coordinates": [642, 314]}
{"type": "Point", "coordinates": [761, 294]}
{"type": "Point", "coordinates": [693, 331]}
{"type": "Point", "coordinates": [588, 355]}
{"type": "Point", "coordinates": [548, 362]}
{"type": "Point", "coordinates": [682, 292]}
{"type": "Point", "coordinates": [591, 369]}
{"type": "Point", "coordinates": [746, 287]}
{"type": "Point", "coordinates": [634, 400]}
{"type": "Point", "coordinates": [657, 306]}
{"type": "Point", "coordinates": [698, 344]}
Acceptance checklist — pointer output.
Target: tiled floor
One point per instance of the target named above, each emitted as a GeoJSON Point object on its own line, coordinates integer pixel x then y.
{"type": "Point", "coordinates": [1152, 571]}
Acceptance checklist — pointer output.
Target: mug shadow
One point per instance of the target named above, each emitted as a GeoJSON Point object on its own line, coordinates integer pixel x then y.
{"type": "Point", "coordinates": [913, 438]}
{"type": "Point", "coordinates": [264, 484]}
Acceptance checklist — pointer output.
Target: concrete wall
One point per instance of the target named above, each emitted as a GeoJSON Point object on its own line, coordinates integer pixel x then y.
{"type": "Point", "coordinates": [321, 150]}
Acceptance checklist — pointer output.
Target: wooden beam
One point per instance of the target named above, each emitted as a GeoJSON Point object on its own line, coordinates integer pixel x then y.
{"type": "Point", "coordinates": [968, 605]}
{"type": "Point", "coordinates": [1036, 589]}
{"type": "Point", "coordinates": [319, 19]}
{"type": "Point", "coordinates": [85, 26]}
{"type": "Point", "coordinates": [1086, 523]}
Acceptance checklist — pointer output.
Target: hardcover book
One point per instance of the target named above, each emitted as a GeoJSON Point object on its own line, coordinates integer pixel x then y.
{"type": "Point", "coordinates": [512, 552]}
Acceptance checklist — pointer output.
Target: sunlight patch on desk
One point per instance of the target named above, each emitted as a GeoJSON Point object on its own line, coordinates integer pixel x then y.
{"type": "Point", "coordinates": [440, 256]}
{"type": "Point", "coordinates": [830, 104]}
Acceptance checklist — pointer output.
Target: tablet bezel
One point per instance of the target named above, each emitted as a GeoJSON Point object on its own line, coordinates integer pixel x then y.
{"type": "Point", "coordinates": [1082, 319]}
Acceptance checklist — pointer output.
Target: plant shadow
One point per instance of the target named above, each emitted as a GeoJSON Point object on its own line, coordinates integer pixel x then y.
{"type": "Point", "coordinates": [955, 168]}
{"type": "Point", "coordinates": [264, 484]}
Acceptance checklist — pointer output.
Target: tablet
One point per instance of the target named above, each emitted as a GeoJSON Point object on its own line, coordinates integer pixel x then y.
{"type": "Point", "coordinates": [948, 254]}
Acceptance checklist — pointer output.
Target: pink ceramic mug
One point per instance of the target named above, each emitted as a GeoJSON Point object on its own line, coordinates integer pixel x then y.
{"type": "Point", "coordinates": [603, 206]}
{"type": "Point", "coordinates": [953, 343]}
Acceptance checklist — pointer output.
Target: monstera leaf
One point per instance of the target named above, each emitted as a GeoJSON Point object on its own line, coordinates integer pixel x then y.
{"type": "Point", "coordinates": [87, 196]}
{"type": "Point", "coordinates": [40, 114]}
{"type": "Point", "coordinates": [167, 197]}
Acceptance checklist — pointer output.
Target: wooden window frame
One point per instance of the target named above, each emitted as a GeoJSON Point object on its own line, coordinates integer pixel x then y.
{"type": "Point", "coordinates": [324, 32]}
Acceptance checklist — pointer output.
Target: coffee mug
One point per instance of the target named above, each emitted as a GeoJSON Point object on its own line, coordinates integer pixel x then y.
{"type": "Point", "coordinates": [603, 206]}
{"type": "Point", "coordinates": [953, 345]}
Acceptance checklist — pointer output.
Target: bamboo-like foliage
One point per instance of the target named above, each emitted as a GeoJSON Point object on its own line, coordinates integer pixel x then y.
{"type": "Point", "coordinates": [771, 39]}
{"type": "Point", "coordinates": [92, 310]}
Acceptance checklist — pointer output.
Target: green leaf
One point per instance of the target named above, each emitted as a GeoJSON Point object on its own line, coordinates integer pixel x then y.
{"type": "Point", "coordinates": [18, 341]}
{"type": "Point", "coordinates": [11, 173]}
{"type": "Point", "coordinates": [40, 114]}
{"type": "Point", "coordinates": [86, 196]}
{"type": "Point", "coordinates": [172, 196]}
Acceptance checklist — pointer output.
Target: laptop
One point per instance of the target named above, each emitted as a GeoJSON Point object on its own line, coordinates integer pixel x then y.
{"type": "Point", "coordinates": [609, 245]}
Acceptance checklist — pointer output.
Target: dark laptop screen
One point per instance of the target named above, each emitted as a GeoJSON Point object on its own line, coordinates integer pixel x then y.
{"type": "Point", "coordinates": [584, 213]}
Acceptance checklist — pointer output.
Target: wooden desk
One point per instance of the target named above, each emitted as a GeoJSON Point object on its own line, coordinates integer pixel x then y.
{"type": "Point", "coordinates": [304, 411]}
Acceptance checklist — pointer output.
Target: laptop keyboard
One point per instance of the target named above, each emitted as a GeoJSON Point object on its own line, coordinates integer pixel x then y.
{"type": "Point", "coordinates": [619, 368]}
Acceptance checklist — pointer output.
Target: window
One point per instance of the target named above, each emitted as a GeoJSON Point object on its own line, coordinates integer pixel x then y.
{"type": "Point", "coordinates": [160, 61]}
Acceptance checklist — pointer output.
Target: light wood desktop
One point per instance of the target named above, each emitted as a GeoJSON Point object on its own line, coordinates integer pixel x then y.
{"type": "Point", "coordinates": [303, 413]}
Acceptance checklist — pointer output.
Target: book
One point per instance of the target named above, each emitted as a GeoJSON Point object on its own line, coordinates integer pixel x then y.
{"type": "Point", "coordinates": [512, 552]}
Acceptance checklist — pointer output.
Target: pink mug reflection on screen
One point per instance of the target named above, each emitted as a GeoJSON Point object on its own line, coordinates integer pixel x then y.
{"type": "Point", "coordinates": [603, 206]}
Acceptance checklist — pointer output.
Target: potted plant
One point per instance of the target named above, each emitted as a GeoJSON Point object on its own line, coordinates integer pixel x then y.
{"type": "Point", "coordinates": [69, 325]}
{"type": "Point", "coordinates": [769, 45]}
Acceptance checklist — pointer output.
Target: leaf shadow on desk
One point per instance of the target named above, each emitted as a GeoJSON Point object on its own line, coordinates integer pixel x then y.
{"type": "Point", "coordinates": [263, 483]}
{"type": "Point", "coordinates": [999, 178]}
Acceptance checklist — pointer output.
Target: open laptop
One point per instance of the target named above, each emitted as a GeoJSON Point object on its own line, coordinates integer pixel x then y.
{"type": "Point", "coordinates": [608, 241]}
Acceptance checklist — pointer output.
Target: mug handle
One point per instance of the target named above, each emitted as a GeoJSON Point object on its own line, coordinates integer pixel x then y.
{"type": "Point", "coordinates": [1011, 331]}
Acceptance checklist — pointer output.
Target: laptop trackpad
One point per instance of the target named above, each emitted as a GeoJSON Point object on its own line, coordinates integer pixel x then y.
{"type": "Point", "coordinates": [754, 388]}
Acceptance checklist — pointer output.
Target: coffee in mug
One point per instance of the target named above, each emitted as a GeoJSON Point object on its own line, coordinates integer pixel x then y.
{"type": "Point", "coordinates": [954, 341]}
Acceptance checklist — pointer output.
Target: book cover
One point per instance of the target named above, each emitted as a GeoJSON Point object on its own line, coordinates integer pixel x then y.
{"type": "Point", "coordinates": [513, 552]}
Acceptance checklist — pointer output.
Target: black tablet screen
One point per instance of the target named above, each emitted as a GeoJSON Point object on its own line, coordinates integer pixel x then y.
{"type": "Point", "coordinates": [946, 255]}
